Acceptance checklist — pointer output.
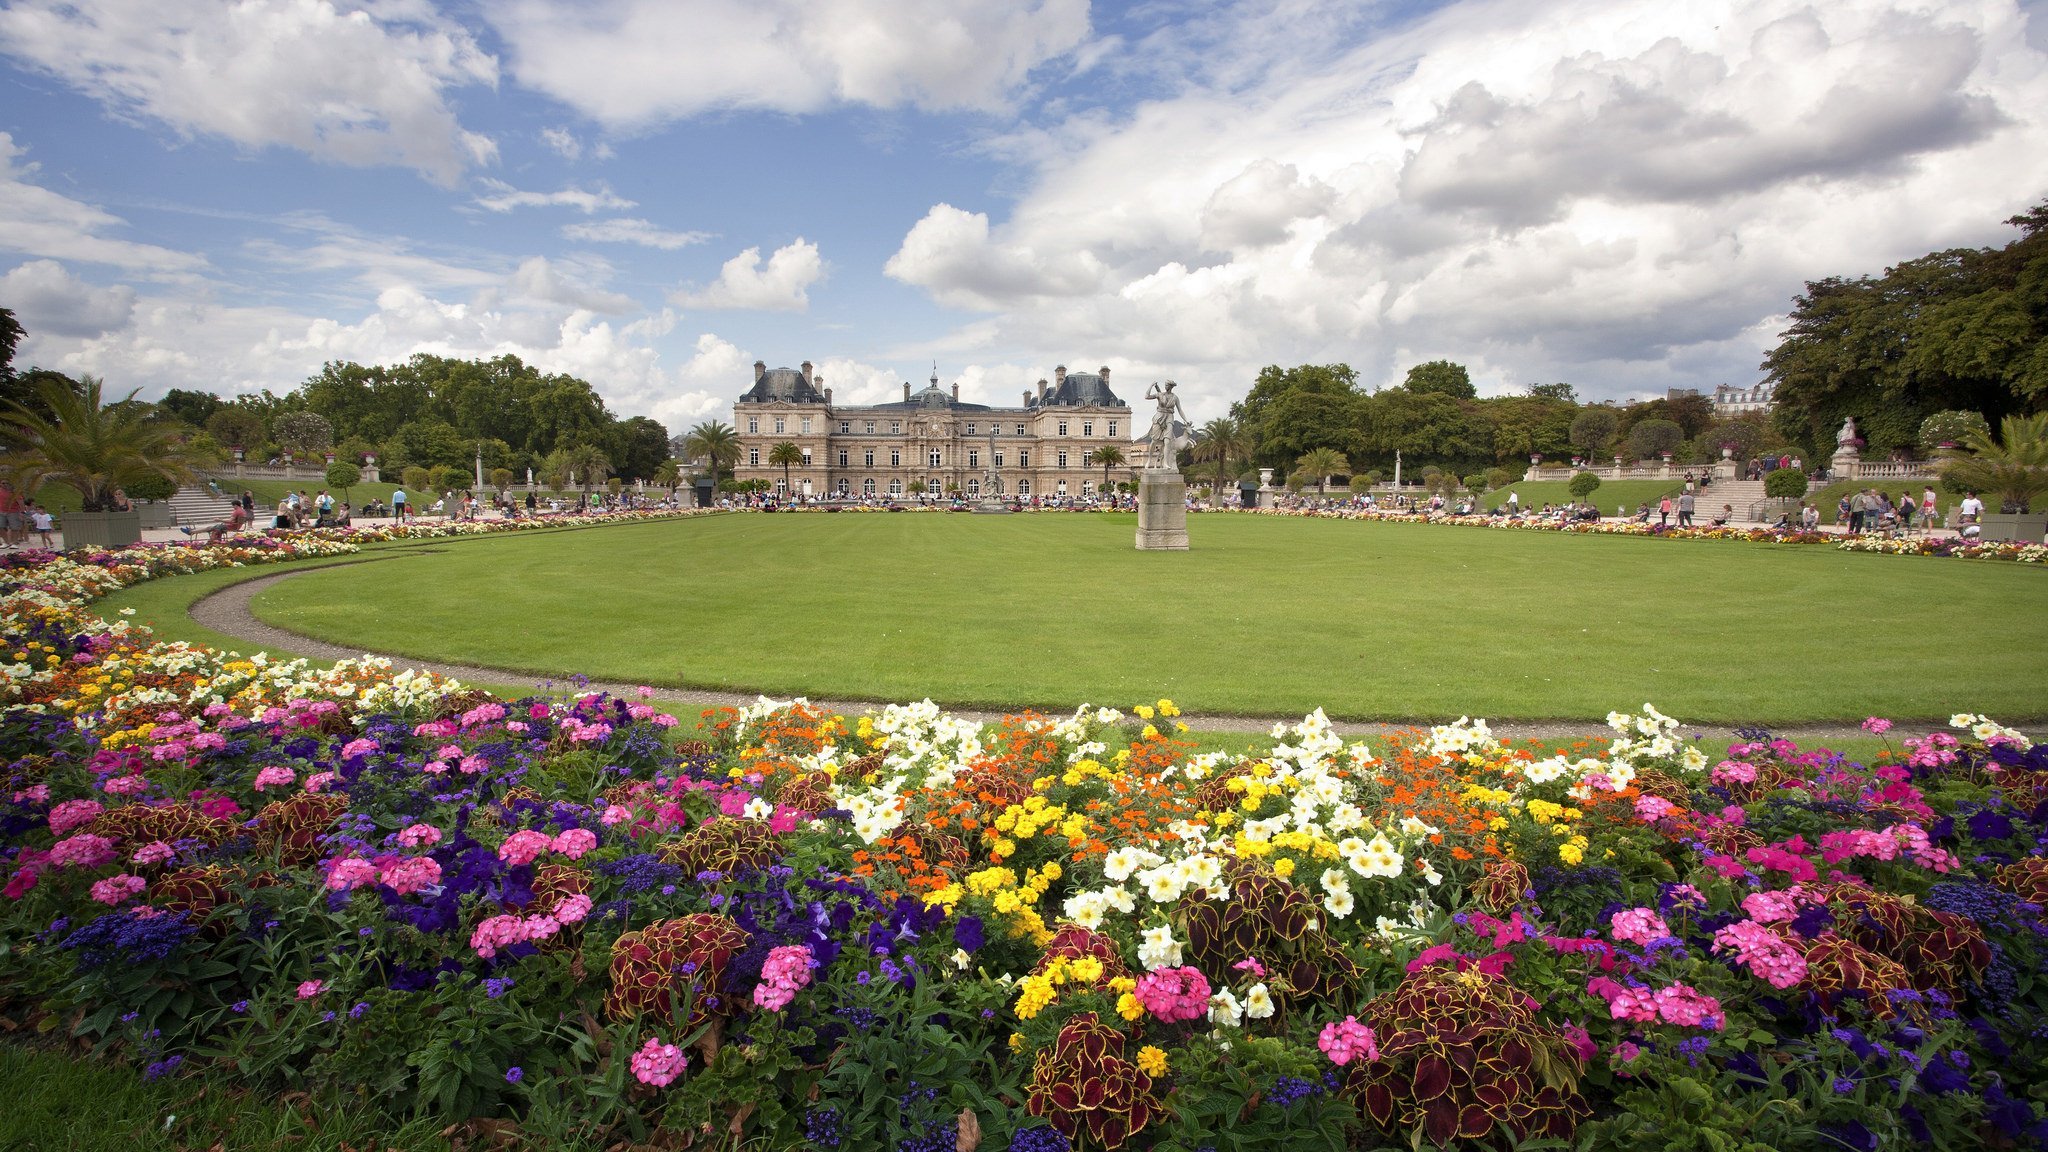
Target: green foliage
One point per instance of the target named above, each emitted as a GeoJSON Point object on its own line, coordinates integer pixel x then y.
{"type": "Point", "coordinates": [1965, 329]}
{"type": "Point", "coordinates": [416, 480]}
{"type": "Point", "coordinates": [1558, 391]}
{"type": "Point", "coordinates": [1583, 485]}
{"type": "Point", "coordinates": [1291, 410]}
{"type": "Point", "coordinates": [1785, 484]}
{"type": "Point", "coordinates": [152, 486]}
{"type": "Point", "coordinates": [1593, 429]}
{"type": "Point", "coordinates": [1498, 478]}
{"type": "Point", "coordinates": [1320, 464]}
{"type": "Point", "coordinates": [716, 442]}
{"type": "Point", "coordinates": [302, 433]}
{"type": "Point", "coordinates": [73, 436]}
{"type": "Point", "coordinates": [2014, 468]}
{"type": "Point", "coordinates": [1442, 376]}
{"type": "Point", "coordinates": [1476, 482]}
{"type": "Point", "coordinates": [235, 426]}
{"type": "Point", "coordinates": [1950, 426]}
{"type": "Point", "coordinates": [192, 407]}
{"type": "Point", "coordinates": [1654, 437]}
{"type": "Point", "coordinates": [342, 475]}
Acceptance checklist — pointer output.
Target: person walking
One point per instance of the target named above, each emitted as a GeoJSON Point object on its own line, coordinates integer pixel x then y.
{"type": "Point", "coordinates": [1685, 507]}
{"type": "Point", "coordinates": [39, 518]}
{"type": "Point", "coordinates": [1930, 516]}
{"type": "Point", "coordinates": [1906, 510]}
{"type": "Point", "coordinates": [12, 526]}
{"type": "Point", "coordinates": [398, 505]}
{"type": "Point", "coordinates": [1664, 512]}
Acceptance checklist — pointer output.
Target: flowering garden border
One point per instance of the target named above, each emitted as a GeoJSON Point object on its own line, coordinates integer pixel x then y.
{"type": "Point", "coordinates": [909, 930]}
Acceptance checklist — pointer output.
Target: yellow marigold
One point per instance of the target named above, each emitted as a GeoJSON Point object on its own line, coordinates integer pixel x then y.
{"type": "Point", "coordinates": [1571, 853]}
{"type": "Point", "coordinates": [1034, 995]}
{"type": "Point", "coordinates": [1168, 708]}
{"type": "Point", "coordinates": [1152, 1061]}
{"type": "Point", "coordinates": [1086, 969]}
{"type": "Point", "coordinates": [1283, 868]}
{"type": "Point", "coordinates": [1123, 984]}
{"type": "Point", "coordinates": [1144, 711]}
{"type": "Point", "coordinates": [1016, 1038]}
{"type": "Point", "coordinates": [1127, 1006]}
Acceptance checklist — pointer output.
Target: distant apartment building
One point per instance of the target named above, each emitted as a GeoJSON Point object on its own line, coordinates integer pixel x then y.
{"type": "Point", "coordinates": [1730, 400]}
{"type": "Point", "coordinates": [1040, 448]}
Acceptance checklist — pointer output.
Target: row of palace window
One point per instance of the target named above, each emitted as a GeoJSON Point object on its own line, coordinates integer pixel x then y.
{"type": "Point", "coordinates": [935, 459]}
{"type": "Point", "coordinates": [896, 427]}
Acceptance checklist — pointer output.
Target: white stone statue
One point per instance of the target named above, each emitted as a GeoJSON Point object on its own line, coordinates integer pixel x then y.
{"type": "Point", "coordinates": [1847, 436]}
{"type": "Point", "coordinates": [1162, 446]}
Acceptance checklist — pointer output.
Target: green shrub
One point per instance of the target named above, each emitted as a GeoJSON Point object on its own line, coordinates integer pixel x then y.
{"type": "Point", "coordinates": [1583, 485]}
{"type": "Point", "coordinates": [1951, 426]}
{"type": "Point", "coordinates": [1476, 482]}
{"type": "Point", "coordinates": [1785, 484]}
{"type": "Point", "coordinates": [1360, 485]}
{"type": "Point", "coordinates": [151, 486]}
{"type": "Point", "coordinates": [1499, 478]}
{"type": "Point", "coordinates": [343, 475]}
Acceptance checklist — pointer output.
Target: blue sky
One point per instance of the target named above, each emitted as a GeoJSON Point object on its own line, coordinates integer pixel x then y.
{"type": "Point", "coordinates": [652, 194]}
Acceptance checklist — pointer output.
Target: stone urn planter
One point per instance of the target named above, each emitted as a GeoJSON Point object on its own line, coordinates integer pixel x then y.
{"type": "Point", "coordinates": [2024, 527]}
{"type": "Point", "coordinates": [100, 529]}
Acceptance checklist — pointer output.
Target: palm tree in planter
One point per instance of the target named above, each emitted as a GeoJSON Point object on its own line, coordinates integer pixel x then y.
{"type": "Point", "coordinates": [2012, 469]}
{"type": "Point", "coordinates": [1322, 463]}
{"type": "Point", "coordinates": [1109, 456]}
{"type": "Point", "coordinates": [917, 489]}
{"type": "Point", "coordinates": [785, 456]}
{"type": "Point", "coordinates": [717, 442]}
{"type": "Point", "coordinates": [71, 435]}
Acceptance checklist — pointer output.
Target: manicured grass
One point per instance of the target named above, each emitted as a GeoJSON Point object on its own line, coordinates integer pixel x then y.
{"type": "Point", "coordinates": [1265, 617]}
{"type": "Point", "coordinates": [59, 1104]}
{"type": "Point", "coordinates": [1611, 494]}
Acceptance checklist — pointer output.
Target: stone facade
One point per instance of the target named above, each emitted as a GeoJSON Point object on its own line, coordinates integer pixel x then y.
{"type": "Point", "coordinates": [1730, 400]}
{"type": "Point", "coordinates": [1038, 449]}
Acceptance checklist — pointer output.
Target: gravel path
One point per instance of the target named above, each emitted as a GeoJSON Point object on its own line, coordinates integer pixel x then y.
{"type": "Point", "coordinates": [227, 611]}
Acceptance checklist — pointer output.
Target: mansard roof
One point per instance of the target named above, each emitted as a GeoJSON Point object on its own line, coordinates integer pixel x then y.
{"type": "Point", "coordinates": [787, 384]}
{"type": "Point", "coordinates": [1084, 388]}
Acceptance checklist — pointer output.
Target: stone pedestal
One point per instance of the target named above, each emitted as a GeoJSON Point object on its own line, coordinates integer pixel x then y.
{"type": "Point", "coordinates": [1162, 512]}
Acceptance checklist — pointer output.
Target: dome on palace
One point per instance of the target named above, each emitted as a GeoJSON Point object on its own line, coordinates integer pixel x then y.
{"type": "Point", "coordinates": [787, 384]}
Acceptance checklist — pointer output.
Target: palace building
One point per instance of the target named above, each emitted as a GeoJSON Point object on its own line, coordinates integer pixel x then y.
{"type": "Point", "coordinates": [931, 441]}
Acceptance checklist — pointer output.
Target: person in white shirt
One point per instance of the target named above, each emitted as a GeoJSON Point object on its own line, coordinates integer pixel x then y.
{"type": "Point", "coordinates": [1971, 508]}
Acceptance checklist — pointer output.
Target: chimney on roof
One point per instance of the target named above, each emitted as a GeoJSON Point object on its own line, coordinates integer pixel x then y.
{"type": "Point", "coordinates": [1027, 397]}
{"type": "Point", "coordinates": [956, 391]}
{"type": "Point", "coordinates": [1104, 373]}
{"type": "Point", "coordinates": [828, 394]}
{"type": "Point", "coordinates": [1041, 390]}
{"type": "Point", "coordinates": [1059, 375]}
{"type": "Point", "coordinates": [906, 391]}
{"type": "Point", "coordinates": [806, 367]}
{"type": "Point", "coordinates": [760, 370]}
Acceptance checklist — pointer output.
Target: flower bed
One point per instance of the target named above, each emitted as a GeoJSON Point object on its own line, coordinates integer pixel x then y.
{"type": "Point", "coordinates": [1899, 546]}
{"type": "Point", "coordinates": [910, 930]}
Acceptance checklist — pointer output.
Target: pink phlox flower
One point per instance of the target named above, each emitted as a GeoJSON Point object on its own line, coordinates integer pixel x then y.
{"type": "Point", "coordinates": [118, 890]}
{"type": "Point", "coordinates": [1733, 772]}
{"type": "Point", "coordinates": [1769, 956]}
{"type": "Point", "coordinates": [84, 850]}
{"type": "Point", "coordinates": [126, 786]}
{"type": "Point", "coordinates": [572, 909]}
{"type": "Point", "coordinates": [34, 794]}
{"type": "Point", "coordinates": [154, 852]}
{"type": "Point", "coordinates": [483, 714]}
{"type": "Point", "coordinates": [274, 777]}
{"type": "Point", "coordinates": [435, 729]}
{"type": "Point", "coordinates": [1877, 725]}
{"type": "Point", "coordinates": [448, 752]}
{"type": "Point", "coordinates": [1638, 926]}
{"type": "Point", "coordinates": [419, 836]}
{"type": "Point", "coordinates": [72, 814]}
{"type": "Point", "coordinates": [786, 969]}
{"type": "Point", "coordinates": [311, 988]}
{"type": "Point", "coordinates": [472, 765]}
{"type": "Point", "coordinates": [1248, 964]}
{"type": "Point", "coordinates": [616, 814]}
{"type": "Point", "coordinates": [411, 874]}
{"type": "Point", "coordinates": [348, 873]}
{"type": "Point", "coordinates": [1174, 994]}
{"type": "Point", "coordinates": [1772, 907]}
{"type": "Point", "coordinates": [524, 846]}
{"type": "Point", "coordinates": [318, 782]}
{"type": "Point", "coordinates": [497, 932]}
{"type": "Point", "coordinates": [362, 746]}
{"type": "Point", "coordinates": [658, 1064]}
{"type": "Point", "coordinates": [575, 842]}
{"type": "Point", "coordinates": [218, 806]}
{"type": "Point", "coordinates": [1346, 1040]}
{"type": "Point", "coordinates": [1650, 809]}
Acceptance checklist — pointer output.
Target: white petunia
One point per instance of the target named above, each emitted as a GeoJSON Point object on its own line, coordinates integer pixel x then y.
{"type": "Point", "coordinates": [1258, 1002]}
{"type": "Point", "coordinates": [1159, 949]}
{"type": "Point", "coordinates": [1224, 1009]}
{"type": "Point", "coordinates": [1339, 904]}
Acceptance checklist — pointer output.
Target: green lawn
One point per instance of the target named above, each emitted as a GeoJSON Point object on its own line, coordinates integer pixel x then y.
{"type": "Point", "coordinates": [1611, 494]}
{"type": "Point", "coordinates": [1265, 617]}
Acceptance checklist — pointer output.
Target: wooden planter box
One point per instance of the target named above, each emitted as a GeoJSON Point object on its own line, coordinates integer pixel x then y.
{"type": "Point", "coordinates": [100, 529]}
{"type": "Point", "coordinates": [2025, 527]}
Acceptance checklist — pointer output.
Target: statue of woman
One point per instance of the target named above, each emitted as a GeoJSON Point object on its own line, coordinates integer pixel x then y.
{"type": "Point", "coordinates": [1159, 439]}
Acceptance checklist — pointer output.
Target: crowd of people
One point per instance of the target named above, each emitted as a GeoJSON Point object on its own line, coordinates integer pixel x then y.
{"type": "Point", "coordinates": [1870, 510]}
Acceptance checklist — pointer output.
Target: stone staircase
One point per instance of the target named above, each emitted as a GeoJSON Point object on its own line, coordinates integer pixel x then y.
{"type": "Point", "coordinates": [1739, 493]}
{"type": "Point", "coordinates": [196, 506]}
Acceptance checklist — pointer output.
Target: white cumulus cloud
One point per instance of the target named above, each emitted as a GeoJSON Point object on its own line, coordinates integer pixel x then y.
{"type": "Point", "coordinates": [779, 284]}
{"type": "Point", "coordinates": [636, 63]}
{"type": "Point", "coordinates": [502, 197]}
{"type": "Point", "coordinates": [630, 230]}
{"type": "Point", "coordinates": [40, 222]}
{"type": "Point", "coordinates": [47, 299]}
{"type": "Point", "coordinates": [352, 84]}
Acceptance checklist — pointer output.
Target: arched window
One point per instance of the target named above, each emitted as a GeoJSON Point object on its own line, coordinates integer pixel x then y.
{"type": "Point", "coordinates": [867, 486]}
{"type": "Point", "coordinates": [895, 487]}
{"type": "Point", "coordinates": [1023, 487]}
{"type": "Point", "coordinates": [845, 488]}
{"type": "Point", "coordinates": [973, 486]}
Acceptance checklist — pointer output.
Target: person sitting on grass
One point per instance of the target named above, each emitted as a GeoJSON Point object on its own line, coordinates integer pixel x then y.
{"type": "Point", "coordinates": [1727, 514]}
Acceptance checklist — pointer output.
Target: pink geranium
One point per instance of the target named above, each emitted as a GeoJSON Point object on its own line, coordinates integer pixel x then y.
{"type": "Point", "coordinates": [1174, 993]}
{"type": "Point", "coordinates": [524, 846]}
{"type": "Point", "coordinates": [1346, 1040]}
{"type": "Point", "coordinates": [118, 890]}
{"type": "Point", "coordinates": [575, 842]}
{"type": "Point", "coordinates": [786, 969]}
{"type": "Point", "coordinates": [1770, 956]}
{"type": "Point", "coordinates": [1638, 926]}
{"type": "Point", "coordinates": [274, 777]}
{"type": "Point", "coordinates": [72, 814]}
{"type": "Point", "coordinates": [411, 874]}
{"type": "Point", "coordinates": [658, 1064]}
{"type": "Point", "coordinates": [419, 836]}
{"type": "Point", "coordinates": [311, 988]}
{"type": "Point", "coordinates": [348, 873]}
